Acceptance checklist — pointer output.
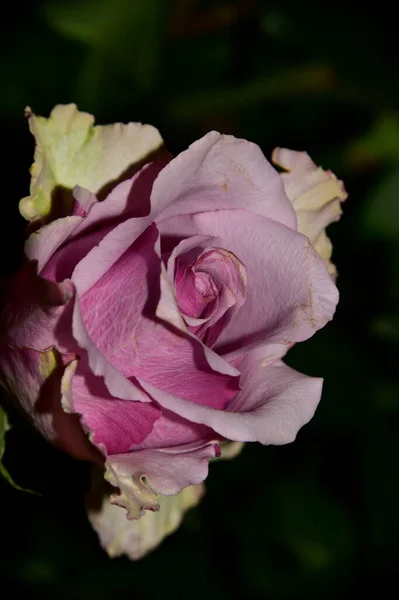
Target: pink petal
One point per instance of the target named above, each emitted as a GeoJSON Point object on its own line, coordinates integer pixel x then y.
{"type": "Point", "coordinates": [131, 198]}
{"type": "Point", "coordinates": [143, 474]}
{"type": "Point", "coordinates": [275, 402]}
{"type": "Point", "coordinates": [33, 379]}
{"type": "Point", "coordinates": [175, 431]}
{"type": "Point", "coordinates": [31, 309]}
{"type": "Point", "coordinates": [43, 243]}
{"type": "Point", "coordinates": [119, 314]}
{"type": "Point", "coordinates": [289, 294]}
{"type": "Point", "coordinates": [117, 384]}
{"type": "Point", "coordinates": [115, 425]}
{"type": "Point", "coordinates": [221, 172]}
{"type": "Point", "coordinates": [211, 284]}
{"type": "Point", "coordinates": [75, 236]}
{"type": "Point", "coordinates": [83, 200]}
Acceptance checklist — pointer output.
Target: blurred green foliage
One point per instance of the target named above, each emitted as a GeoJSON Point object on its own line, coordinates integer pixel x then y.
{"type": "Point", "coordinates": [317, 517]}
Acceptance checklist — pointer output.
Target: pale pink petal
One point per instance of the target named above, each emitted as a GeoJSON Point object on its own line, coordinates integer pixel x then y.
{"type": "Point", "coordinates": [143, 474]}
{"type": "Point", "coordinates": [275, 402]}
{"type": "Point", "coordinates": [221, 172]}
{"type": "Point", "coordinates": [131, 198]}
{"type": "Point", "coordinates": [43, 243]}
{"type": "Point", "coordinates": [62, 263]}
{"type": "Point", "coordinates": [290, 294]}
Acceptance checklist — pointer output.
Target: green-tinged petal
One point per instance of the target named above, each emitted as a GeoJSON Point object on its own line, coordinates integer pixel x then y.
{"type": "Point", "coordinates": [32, 380]}
{"type": "Point", "coordinates": [316, 196]}
{"type": "Point", "coordinates": [231, 449]}
{"type": "Point", "coordinates": [135, 538]}
{"type": "Point", "coordinates": [71, 150]}
{"type": "Point", "coordinates": [4, 427]}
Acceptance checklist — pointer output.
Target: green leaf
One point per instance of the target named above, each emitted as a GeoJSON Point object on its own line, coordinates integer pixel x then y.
{"type": "Point", "coordinates": [4, 427]}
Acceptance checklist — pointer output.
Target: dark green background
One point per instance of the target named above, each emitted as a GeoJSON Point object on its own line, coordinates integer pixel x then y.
{"type": "Point", "coordinates": [317, 518]}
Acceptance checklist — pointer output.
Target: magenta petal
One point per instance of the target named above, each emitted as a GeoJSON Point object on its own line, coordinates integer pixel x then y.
{"type": "Point", "coordinates": [115, 425]}
{"type": "Point", "coordinates": [275, 402]}
{"type": "Point", "coordinates": [221, 172]}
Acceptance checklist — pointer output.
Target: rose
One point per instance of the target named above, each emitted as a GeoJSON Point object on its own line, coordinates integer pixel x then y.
{"type": "Point", "coordinates": [147, 330]}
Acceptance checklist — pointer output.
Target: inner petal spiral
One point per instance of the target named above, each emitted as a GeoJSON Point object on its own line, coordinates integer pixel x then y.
{"type": "Point", "coordinates": [210, 287]}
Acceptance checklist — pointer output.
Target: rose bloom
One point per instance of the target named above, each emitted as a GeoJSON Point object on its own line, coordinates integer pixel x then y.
{"type": "Point", "coordinates": [146, 331]}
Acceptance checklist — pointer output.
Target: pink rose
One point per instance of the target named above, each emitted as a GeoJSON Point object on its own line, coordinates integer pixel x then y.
{"type": "Point", "coordinates": [147, 329]}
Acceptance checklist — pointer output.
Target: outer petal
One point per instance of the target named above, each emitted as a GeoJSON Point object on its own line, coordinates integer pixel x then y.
{"type": "Point", "coordinates": [43, 243]}
{"type": "Point", "coordinates": [31, 308]}
{"type": "Point", "coordinates": [316, 196]}
{"type": "Point", "coordinates": [274, 404]}
{"type": "Point", "coordinates": [136, 538]}
{"type": "Point", "coordinates": [289, 294]}
{"type": "Point", "coordinates": [221, 172]}
{"type": "Point", "coordinates": [71, 151]}
{"type": "Point", "coordinates": [143, 474]}
{"type": "Point", "coordinates": [59, 246]}
{"type": "Point", "coordinates": [34, 379]}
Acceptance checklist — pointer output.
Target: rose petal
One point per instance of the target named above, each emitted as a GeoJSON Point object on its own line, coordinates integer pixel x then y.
{"type": "Point", "coordinates": [316, 196]}
{"type": "Point", "coordinates": [176, 431]}
{"type": "Point", "coordinates": [34, 379]}
{"type": "Point", "coordinates": [275, 402]}
{"type": "Point", "coordinates": [221, 172]}
{"type": "Point", "coordinates": [118, 385]}
{"type": "Point", "coordinates": [115, 425]}
{"type": "Point", "coordinates": [141, 475]}
{"type": "Point", "coordinates": [71, 151]}
{"type": "Point", "coordinates": [83, 200]}
{"type": "Point", "coordinates": [31, 309]}
{"type": "Point", "coordinates": [136, 538]}
{"type": "Point", "coordinates": [289, 294]}
{"type": "Point", "coordinates": [128, 293]}
{"type": "Point", "coordinates": [43, 243]}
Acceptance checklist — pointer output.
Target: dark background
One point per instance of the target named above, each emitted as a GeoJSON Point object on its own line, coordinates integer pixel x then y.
{"type": "Point", "coordinates": [317, 518]}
